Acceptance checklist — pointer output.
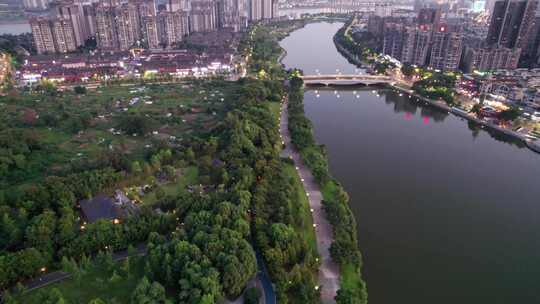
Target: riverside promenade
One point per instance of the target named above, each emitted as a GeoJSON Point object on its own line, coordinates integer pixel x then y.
{"type": "Point", "coordinates": [328, 270]}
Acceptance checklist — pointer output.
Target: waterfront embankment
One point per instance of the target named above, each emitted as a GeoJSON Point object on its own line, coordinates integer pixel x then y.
{"type": "Point", "coordinates": [533, 145]}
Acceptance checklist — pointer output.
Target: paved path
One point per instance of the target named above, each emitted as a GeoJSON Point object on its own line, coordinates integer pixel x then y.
{"type": "Point", "coordinates": [329, 271]}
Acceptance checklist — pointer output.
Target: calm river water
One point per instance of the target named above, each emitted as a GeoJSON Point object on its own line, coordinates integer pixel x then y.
{"type": "Point", "coordinates": [15, 28]}
{"type": "Point", "coordinates": [446, 213]}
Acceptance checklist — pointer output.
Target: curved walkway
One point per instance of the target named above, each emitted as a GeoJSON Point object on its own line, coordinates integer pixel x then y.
{"type": "Point", "coordinates": [328, 271]}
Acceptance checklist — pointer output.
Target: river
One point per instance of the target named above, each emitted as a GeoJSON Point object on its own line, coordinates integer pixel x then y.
{"type": "Point", "coordinates": [446, 212]}
{"type": "Point", "coordinates": [15, 28]}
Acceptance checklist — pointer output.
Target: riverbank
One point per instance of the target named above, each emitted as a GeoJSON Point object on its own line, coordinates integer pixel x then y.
{"type": "Point", "coordinates": [328, 271]}
{"type": "Point", "coordinates": [341, 245]}
{"type": "Point", "coordinates": [440, 176]}
{"type": "Point", "coordinates": [532, 145]}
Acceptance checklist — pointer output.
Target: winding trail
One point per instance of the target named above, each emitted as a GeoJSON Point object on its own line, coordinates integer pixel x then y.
{"type": "Point", "coordinates": [328, 271]}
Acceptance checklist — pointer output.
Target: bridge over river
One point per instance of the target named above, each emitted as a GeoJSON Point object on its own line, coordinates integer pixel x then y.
{"type": "Point", "coordinates": [345, 80]}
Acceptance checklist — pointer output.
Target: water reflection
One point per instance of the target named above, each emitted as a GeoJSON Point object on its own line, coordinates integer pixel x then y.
{"type": "Point", "coordinates": [498, 136]}
{"type": "Point", "coordinates": [410, 106]}
{"type": "Point", "coordinates": [445, 213]}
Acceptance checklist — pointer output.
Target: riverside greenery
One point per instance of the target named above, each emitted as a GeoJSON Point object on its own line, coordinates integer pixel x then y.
{"type": "Point", "coordinates": [202, 242]}
{"type": "Point", "coordinates": [344, 249]}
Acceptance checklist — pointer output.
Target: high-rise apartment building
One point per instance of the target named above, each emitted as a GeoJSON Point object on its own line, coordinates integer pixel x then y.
{"type": "Point", "coordinates": [383, 9]}
{"type": "Point", "coordinates": [261, 9]}
{"type": "Point", "coordinates": [176, 5]}
{"type": "Point", "coordinates": [128, 25]}
{"type": "Point", "coordinates": [446, 47]}
{"type": "Point", "coordinates": [89, 15]}
{"type": "Point", "coordinates": [511, 23]}
{"type": "Point", "coordinates": [43, 35]}
{"type": "Point", "coordinates": [53, 35]}
{"type": "Point", "coordinates": [231, 14]}
{"type": "Point", "coordinates": [64, 36]}
{"type": "Point", "coordinates": [175, 27]}
{"type": "Point", "coordinates": [375, 25]}
{"type": "Point", "coordinates": [106, 31]}
{"type": "Point", "coordinates": [203, 16]}
{"type": "Point", "coordinates": [122, 24]}
{"type": "Point", "coordinates": [74, 13]}
{"type": "Point", "coordinates": [150, 31]}
{"type": "Point", "coordinates": [429, 16]}
{"type": "Point", "coordinates": [35, 5]}
{"type": "Point", "coordinates": [267, 9]}
{"type": "Point", "coordinates": [407, 43]}
{"type": "Point", "coordinates": [417, 46]}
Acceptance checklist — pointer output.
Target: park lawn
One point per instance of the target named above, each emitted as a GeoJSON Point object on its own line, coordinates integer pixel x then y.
{"type": "Point", "coordinates": [350, 279]}
{"type": "Point", "coordinates": [190, 176]}
{"type": "Point", "coordinates": [275, 108]}
{"type": "Point", "coordinates": [96, 282]}
{"type": "Point", "coordinates": [304, 226]}
{"type": "Point", "coordinates": [329, 190]}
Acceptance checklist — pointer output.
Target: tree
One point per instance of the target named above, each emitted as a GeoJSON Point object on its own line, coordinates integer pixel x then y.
{"type": "Point", "coordinates": [126, 267]}
{"type": "Point", "coordinates": [407, 69]}
{"type": "Point", "coordinates": [136, 124]}
{"type": "Point", "coordinates": [10, 233]}
{"type": "Point", "coordinates": [54, 297]}
{"type": "Point", "coordinates": [510, 114]}
{"type": "Point", "coordinates": [40, 233]}
{"type": "Point", "coordinates": [136, 167]}
{"type": "Point", "coordinates": [79, 90]}
{"type": "Point", "coordinates": [346, 296]}
{"type": "Point", "coordinates": [252, 296]}
{"type": "Point", "coordinates": [146, 293]}
{"type": "Point", "coordinates": [115, 277]}
{"type": "Point", "coordinates": [476, 109]}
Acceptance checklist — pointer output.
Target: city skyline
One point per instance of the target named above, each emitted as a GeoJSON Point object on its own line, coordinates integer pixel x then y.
{"type": "Point", "coordinates": [120, 25]}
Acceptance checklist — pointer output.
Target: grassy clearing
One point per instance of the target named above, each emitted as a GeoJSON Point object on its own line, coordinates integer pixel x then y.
{"type": "Point", "coordinates": [305, 221]}
{"type": "Point", "coordinates": [329, 190]}
{"type": "Point", "coordinates": [189, 176]}
{"type": "Point", "coordinates": [350, 279]}
{"type": "Point", "coordinates": [275, 107]}
{"type": "Point", "coordinates": [74, 130]}
{"type": "Point", "coordinates": [97, 282]}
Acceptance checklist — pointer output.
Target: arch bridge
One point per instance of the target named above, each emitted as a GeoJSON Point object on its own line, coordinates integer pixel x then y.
{"type": "Point", "coordinates": [346, 80]}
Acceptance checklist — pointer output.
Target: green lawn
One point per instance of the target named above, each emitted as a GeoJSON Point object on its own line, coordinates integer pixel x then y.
{"type": "Point", "coordinates": [96, 282]}
{"type": "Point", "coordinates": [329, 190]}
{"type": "Point", "coordinates": [305, 221]}
{"type": "Point", "coordinates": [275, 107]}
{"type": "Point", "coordinates": [350, 279]}
{"type": "Point", "coordinates": [189, 176]}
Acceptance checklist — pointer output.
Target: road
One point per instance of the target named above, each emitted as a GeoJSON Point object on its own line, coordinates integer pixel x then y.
{"type": "Point", "coordinates": [328, 271]}
{"type": "Point", "coordinates": [57, 276]}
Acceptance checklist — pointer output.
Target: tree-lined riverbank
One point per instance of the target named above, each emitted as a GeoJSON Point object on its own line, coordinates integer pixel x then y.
{"type": "Point", "coordinates": [344, 247]}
